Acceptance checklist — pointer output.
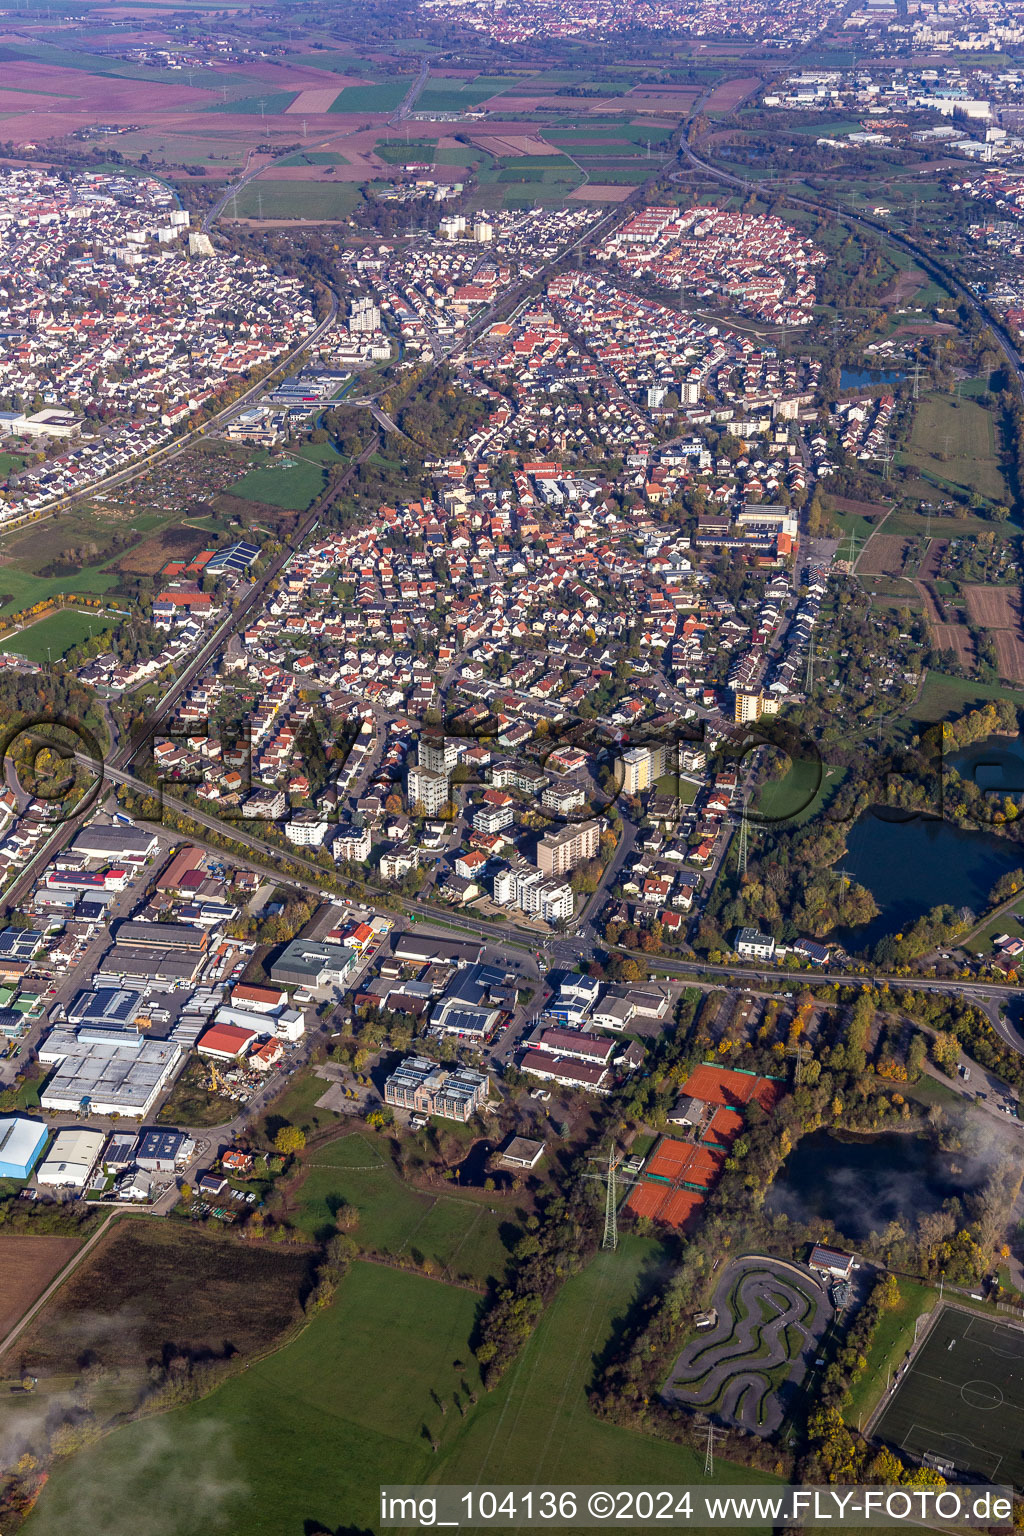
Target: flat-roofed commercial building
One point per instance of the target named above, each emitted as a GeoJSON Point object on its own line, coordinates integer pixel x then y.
{"type": "Point", "coordinates": [429, 1089]}
{"type": "Point", "coordinates": [72, 1158]}
{"type": "Point", "coordinates": [116, 845]}
{"type": "Point", "coordinates": [171, 967]}
{"type": "Point", "coordinates": [427, 949]}
{"type": "Point", "coordinates": [107, 1072]}
{"type": "Point", "coordinates": [177, 936]}
{"type": "Point", "coordinates": [106, 1007]}
{"type": "Point", "coordinates": [305, 964]}
{"type": "Point", "coordinates": [21, 1141]}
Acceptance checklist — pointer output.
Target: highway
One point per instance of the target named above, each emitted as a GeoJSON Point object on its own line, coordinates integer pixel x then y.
{"type": "Point", "coordinates": [570, 951]}
{"type": "Point", "coordinates": [929, 261]}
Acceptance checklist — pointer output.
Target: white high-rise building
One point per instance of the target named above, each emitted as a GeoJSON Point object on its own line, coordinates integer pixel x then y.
{"type": "Point", "coordinates": [364, 315]}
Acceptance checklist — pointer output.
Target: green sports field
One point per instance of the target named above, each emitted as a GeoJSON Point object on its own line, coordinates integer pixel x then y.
{"type": "Point", "coordinates": [962, 1399]}
{"type": "Point", "coordinates": [56, 635]}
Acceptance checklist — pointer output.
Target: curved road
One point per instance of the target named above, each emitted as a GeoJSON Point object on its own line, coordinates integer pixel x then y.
{"type": "Point", "coordinates": [731, 1364]}
{"type": "Point", "coordinates": [864, 221]}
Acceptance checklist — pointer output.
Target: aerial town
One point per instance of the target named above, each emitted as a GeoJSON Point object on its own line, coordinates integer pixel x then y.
{"type": "Point", "coordinates": [512, 666]}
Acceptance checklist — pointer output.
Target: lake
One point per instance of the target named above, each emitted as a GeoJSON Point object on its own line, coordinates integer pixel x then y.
{"type": "Point", "coordinates": [995, 763]}
{"type": "Point", "coordinates": [866, 378]}
{"type": "Point", "coordinates": [861, 1183]}
{"type": "Point", "coordinates": [912, 866]}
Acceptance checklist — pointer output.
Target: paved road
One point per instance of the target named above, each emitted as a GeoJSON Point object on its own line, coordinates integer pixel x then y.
{"type": "Point", "coordinates": [928, 260]}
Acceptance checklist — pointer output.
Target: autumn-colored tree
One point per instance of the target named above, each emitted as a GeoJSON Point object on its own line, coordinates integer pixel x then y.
{"type": "Point", "coordinates": [289, 1140]}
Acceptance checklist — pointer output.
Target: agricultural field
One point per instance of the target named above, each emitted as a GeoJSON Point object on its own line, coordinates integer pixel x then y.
{"type": "Point", "coordinates": [56, 635]}
{"type": "Point", "coordinates": [352, 1403]}
{"type": "Point", "coordinates": [885, 554]}
{"type": "Point", "coordinates": [380, 96]}
{"type": "Point", "coordinates": [314, 157]}
{"type": "Point", "coordinates": [238, 1296]}
{"type": "Point", "coordinates": [961, 1399]}
{"type": "Point", "coordinates": [125, 1309]}
{"type": "Point", "coordinates": [27, 1265]}
{"type": "Point", "coordinates": [446, 94]}
{"type": "Point", "coordinates": [316, 201]}
{"type": "Point", "coordinates": [998, 610]}
{"type": "Point", "coordinates": [336, 63]}
{"type": "Point", "coordinates": [457, 1234]}
{"type": "Point", "coordinates": [955, 444]}
{"type": "Point", "coordinates": [260, 104]}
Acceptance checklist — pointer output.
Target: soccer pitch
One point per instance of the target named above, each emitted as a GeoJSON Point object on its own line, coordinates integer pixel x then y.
{"type": "Point", "coordinates": [962, 1399]}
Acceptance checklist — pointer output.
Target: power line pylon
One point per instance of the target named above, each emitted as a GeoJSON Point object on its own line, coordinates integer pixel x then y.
{"type": "Point", "coordinates": [742, 857]}
{"type": "Point", "coordinates": [709, 1453]}
{"type": "Point", "coordinates": [611, 1220]}
{"type": "Point", "coordinates": [844, 885]}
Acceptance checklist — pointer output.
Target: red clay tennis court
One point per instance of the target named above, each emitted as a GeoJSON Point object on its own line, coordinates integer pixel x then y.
{"type": "Point", "coordinates": [732, 1090]}
{"type": "Point", "coordinates": [647, 1199]}
{"type": "Point", "coordinates": [723, 1127]}
{"type": "Point", "coordinates": [674, 1207]}
{"type": "Point", "coordinates": [681, 1207]}
{"type": "Point", "coordinates": [684, 1162]}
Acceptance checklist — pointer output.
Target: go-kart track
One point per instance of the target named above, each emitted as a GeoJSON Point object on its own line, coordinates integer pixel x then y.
{"type": "Point", "coordinates": [746, 1370]}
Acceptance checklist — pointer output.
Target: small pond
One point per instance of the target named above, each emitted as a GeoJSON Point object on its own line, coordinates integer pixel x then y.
{"type": "Point", "coordinates": [911, 866]}
{"type": "Point", "coordinates": [865, 378]}
{"type": "Point", "coordinates": [861, 1183]}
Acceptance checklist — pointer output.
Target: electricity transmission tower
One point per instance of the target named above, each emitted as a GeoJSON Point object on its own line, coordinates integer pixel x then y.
{"type": "Point", "coordinates": [844, 882]}
{"type": "Point", "coordinates": [709, 1452]}
{"type": "Point", "coordinates": [611, 1219]}
{"type": "Point", "coordinates": [741, 860]}
{"type": "Point", "coordinates": [611, 1178]}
